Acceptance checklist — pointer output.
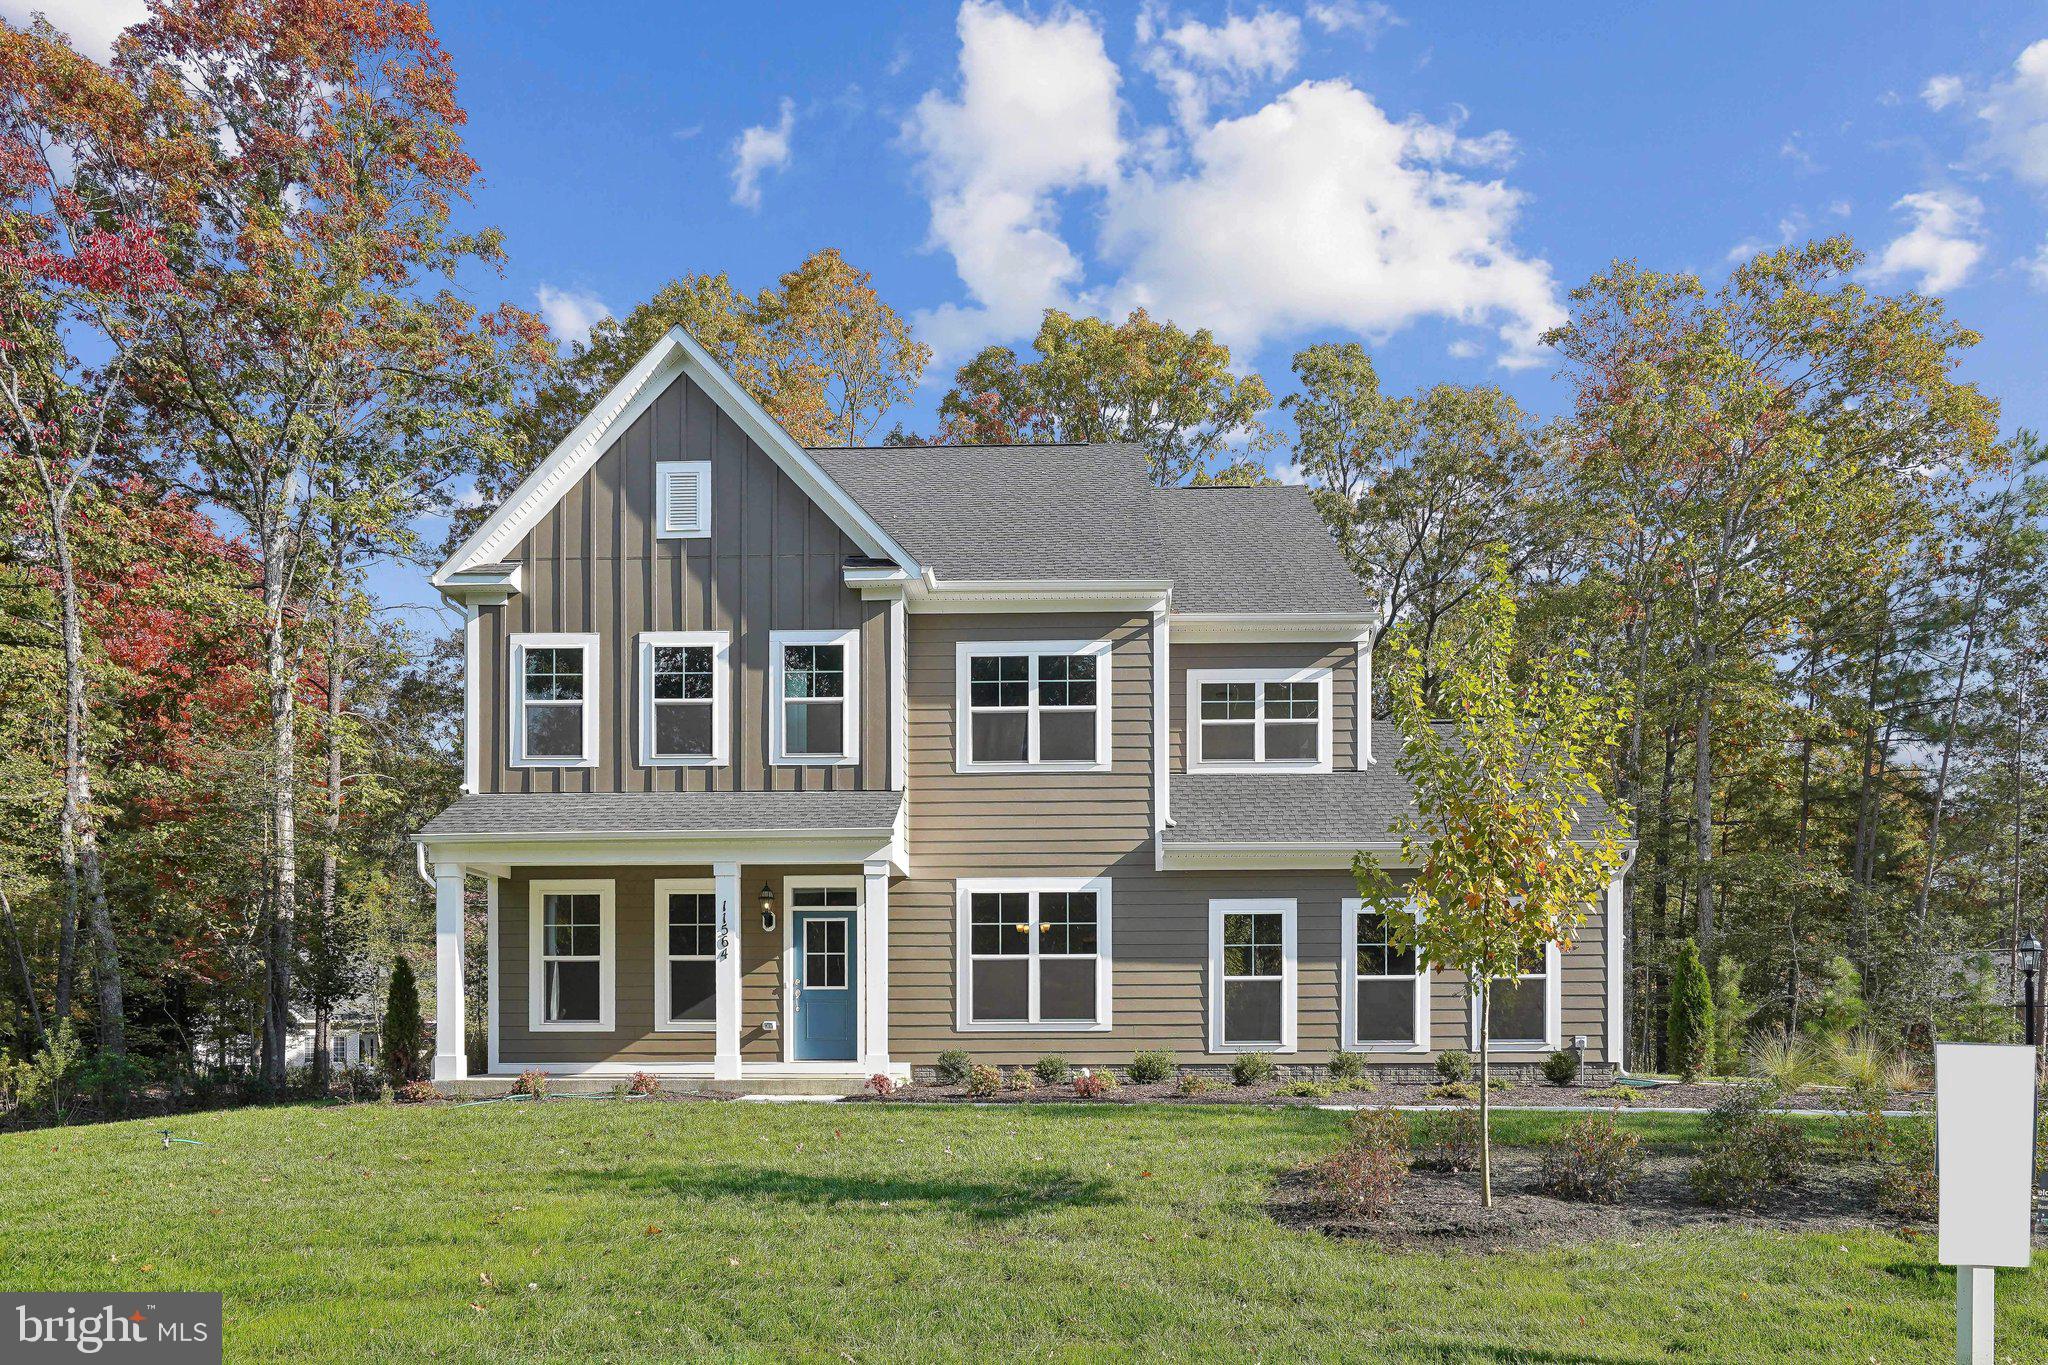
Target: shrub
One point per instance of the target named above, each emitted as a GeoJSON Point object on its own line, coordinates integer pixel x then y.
{"type": "Point", "coordinates": [1749, 1151]}
{"type": "Point", "coordinates": [1365, 1175]}
{"type": "Point", "coordinates": [1052, 1069]}
{"type": "Point", "coordinates": [1447, 1139]}
{"type": "Point", "coordinates": [421, 1092]}
{"type": "Point", "coordinates": [643, 1083]}
{"type": "Point", "coordinates": [1150, 1068]}
{"type": "Point", "coordinates": [41, 1080]}
{"type": "Point", "coordinates": [113, 1078]}
{"type": "Point", "coordinates": [1618, 1094]}
{"type": "Point", "coordinates": [1784, 1059]}
{"type": "Point", "coordinates": [1194, 1083]}
{"type": "Point", "coordinates": [1249, 1068]}
{"type": "Point", "coordinates": [1906, 1183]}
{"type": "Point", "coordinates": [1306, 1090]}
{"type": "Point", "coordinates": [1839, 1010]}
{"type": "Point", "coordinates": [1689, 1019]}
{"type": "Point", "coordinates": [1465, 1091]}
{"type": "Point", "coordinates": [402, 1034]}
{"type": "Point", "coordinates": [880, 1086]}
{"type": "Point", "coordinates": [1732, 1013]}
{"type": "Point", "coordinates": [1593, 1159]}
{"type": "Point", "coordinates": [1454, 1066]}
{"type": "Point", "coordinates": [1346, 1066]}
{"type": "Point", "coordinates": [983, 1080]}
{"type": "Point", "coordinates": [1561, 1067]}
{"type": "Point", "coordinates": [532, 1081]}
{"type": "Point", "coordinates": [1020, 1079]}
{"type": "Point", "coordinates": [952, 1067]}
{"type": "Point", "coordinates": [1091, 1085]}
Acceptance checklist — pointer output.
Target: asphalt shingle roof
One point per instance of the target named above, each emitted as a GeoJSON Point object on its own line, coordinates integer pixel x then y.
{"type": "Point", "coordinates": [603, 813]}
{"type": "Point", "coordinates": [1090, 511]}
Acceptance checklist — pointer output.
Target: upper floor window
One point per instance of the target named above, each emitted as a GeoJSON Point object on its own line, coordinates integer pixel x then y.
{"type": "Point", "coordinates": [816, 690]}
{"type": "Point", "coordinates": [684, 684]}
{"type": "Point", "coordinates": [1025, 705]}
{"type": "Point", "coordinates": [1034, 954]}
{"type": "Point", "coordinates": [1258, 720]}
{"type": "Point", "coordinates": [682, 499]}
{"type": "Point", "coordinates": [554, 701]}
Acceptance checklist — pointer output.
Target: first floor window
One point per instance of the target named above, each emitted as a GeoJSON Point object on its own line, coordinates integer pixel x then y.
{"type": "Point", "coordinates": [571, 948]}
{"type": "Point", "coordinates": [1251, 966]}
{"type": "Point", "coordinates": [683, 706]}
{"type": "Point", "coordinates": [1035, 956]}
{"type": "Point", "coordinates": [816, 691]}
{"type": "Point", "coordinates": [686, 954]}
{"type": "Point", "coordinates": [554, 690]}
{"type": "Point", "coordinates": [1033, 704]}
{"type": "Point", "coordinates": [1259, 718]}
{"type": "Point", "coordinates": [1389, 990]}
{"type": "Point", "coordinates": [1520, 1005]}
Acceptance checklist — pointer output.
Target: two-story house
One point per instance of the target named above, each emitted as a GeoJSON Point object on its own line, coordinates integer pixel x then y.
{"type": "Point", "coordinates": [786, 762]}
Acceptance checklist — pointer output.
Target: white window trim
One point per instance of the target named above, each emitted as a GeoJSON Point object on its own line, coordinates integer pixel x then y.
{"type": "Point", "coordinates": [856, 960]}
{"type": "Point", "coordinates": [966, 651]}
{"type": "Point", "coordinates": [963, 974]}
{"type": "Point", "coordinates": [608, 959]}
{"type": "Point", "coordinates": [721, 696]}
{"type": "Point", "coordinates": [662, 470]}
{"type": "Point", "coordinates": [664, 887]}
{"type": "Point", "coordinates": [1552, 996]}
{"type": "Point", "coordinates": [516, 691]}
{"type": "Point", "coordinates": [1289, 972]}
{"type": "Point", "coordinates": [1325, 746]}
{"type": "Point", "coordinates": [850, 638]}
{"type": "Point", "coordinates": [1419, 1042]}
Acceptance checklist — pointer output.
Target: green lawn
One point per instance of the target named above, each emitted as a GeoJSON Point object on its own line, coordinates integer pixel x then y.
{"type": "Point", "coordinates": [593, 1228]}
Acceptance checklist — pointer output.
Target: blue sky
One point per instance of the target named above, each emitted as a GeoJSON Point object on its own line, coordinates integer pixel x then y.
{"type": "Point", "coordinates": [1429, 180]}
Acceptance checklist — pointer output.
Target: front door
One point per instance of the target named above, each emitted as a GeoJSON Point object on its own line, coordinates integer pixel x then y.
{"type": "Point", "coordinates": [825, 978]}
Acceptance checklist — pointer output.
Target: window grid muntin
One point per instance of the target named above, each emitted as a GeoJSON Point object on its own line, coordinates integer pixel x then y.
{"type": "Point", "coordinates": [1377, 955]}
{"type": "Point", "coordinates": [992, 919]}
{"type": "Point", "coordinates": [1238, 705]}
{"type": "Point", "coordinates": [1031, 683]}
{"type": "Point", "coordinates": [825, 953]}
{"type": "Point", "coordinates": [572, 933]}
{"type": "Point", "coordinates": [813, 679]}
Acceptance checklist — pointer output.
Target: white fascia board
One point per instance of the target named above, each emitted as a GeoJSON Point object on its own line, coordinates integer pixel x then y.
{"type": "Point", "coordinates": [736, 846]}
{"type": "Point", "coordinates": [677, 353]}
{"type": "Point", "coordinates": [1209, 627]}
{"type": "Point", "coordinates": [930, 594]}
{"type": "Point", "coordinates": [1182, 855]}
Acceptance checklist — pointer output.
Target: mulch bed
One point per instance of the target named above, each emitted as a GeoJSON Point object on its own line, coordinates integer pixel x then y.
{"type": "Point", "coordinates": [1442, 1211]}
{"type": "Point", "coordinates": [1537, 1096]}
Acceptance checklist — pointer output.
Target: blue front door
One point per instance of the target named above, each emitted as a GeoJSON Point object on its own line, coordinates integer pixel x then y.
{"type": "Point", "coordinates": [826, 984]}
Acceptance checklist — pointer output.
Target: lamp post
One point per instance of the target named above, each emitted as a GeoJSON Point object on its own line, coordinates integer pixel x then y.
{"type": "Point", "coordinates": [2030, 958]}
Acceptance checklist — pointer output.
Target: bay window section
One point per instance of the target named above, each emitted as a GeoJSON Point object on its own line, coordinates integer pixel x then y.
{"type": "Point", "coordinates": [1252, 720]}
{"type": "Point", "coordinates": [570, 956]}
{"type": "Point", "coordinates": [683, 698]}
{"type": "Point", "coordinates": [816, 687]}
{"type": "Point", "coordinates": [1034, 955]}
{"type": "Point", "coordinates": [554, 701]}
{"type": "Point", "coordinates": [1033, 705]}
{"type": "Point", "coordinates": [1252, 961]}
{"type": "Point", "coordinates": [686, 934]}
{"type": "Point", "coordinates": [1386, 1005]}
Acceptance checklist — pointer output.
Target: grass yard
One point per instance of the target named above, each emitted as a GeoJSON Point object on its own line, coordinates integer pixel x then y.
{"type": "Point", "coordinates": [580, 1229]}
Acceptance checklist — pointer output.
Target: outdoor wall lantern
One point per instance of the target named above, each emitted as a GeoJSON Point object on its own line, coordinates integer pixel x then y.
{"type": "Point", "coordinates": [767, 907]}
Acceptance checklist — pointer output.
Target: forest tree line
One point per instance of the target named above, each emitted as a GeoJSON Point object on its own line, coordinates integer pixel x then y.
{"type": "Point", "coordinates": [241, 369]}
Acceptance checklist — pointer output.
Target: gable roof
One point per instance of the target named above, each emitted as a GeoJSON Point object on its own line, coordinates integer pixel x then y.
{"type": "Point", "coordinates": [676, 354]}
{"type": "Point", "coordinates": [1036, 512]}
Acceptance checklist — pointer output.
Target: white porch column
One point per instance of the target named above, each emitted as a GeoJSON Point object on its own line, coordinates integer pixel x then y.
{"type": "Point", "coordinates": [725, 1065]}
{"type": "Point", "coordinates": [451, 1060]}
{"type": "Point", "coordinates": [874, 967]}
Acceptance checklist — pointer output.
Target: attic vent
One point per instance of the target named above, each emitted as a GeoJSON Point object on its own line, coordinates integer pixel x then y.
{"type": "Point", "coordinates": [682, 492]}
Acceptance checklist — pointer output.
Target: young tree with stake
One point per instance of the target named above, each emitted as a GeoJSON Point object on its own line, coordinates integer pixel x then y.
{"type": "Point", "coordinates": [1506, 840]}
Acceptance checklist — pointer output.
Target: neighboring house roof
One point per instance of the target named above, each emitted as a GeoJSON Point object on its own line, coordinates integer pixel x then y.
{"type": "Point", "coordinates": [1041, 512]}
{"type": "Point", "coordinates": [615, 813]}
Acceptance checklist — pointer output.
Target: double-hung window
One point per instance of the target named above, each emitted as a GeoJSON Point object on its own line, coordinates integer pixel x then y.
{"type": "Point", "coordinates": [1034, 954]}
{"type": "Point", "coordinates": [1033, 705]}
{"type": "Point", "coordinates": [1259, 720]}
{"type": "Point", "coordinates": [554, 701]}
{"type": "Point", "coordinates": [1386, 1001]}
{"type": "Point", "coordinates": [815, 686]}
{"type": "Point", "coordinates": [570, 955]}
{"type": "Point", "coordinates": [1252, 976]}
{"type": "Point", "coordinates": [683, 698]}
{"type": "Point", "coordinates": [686, 941]}
{"type": "Point", "coordinates": [1524, 1007]}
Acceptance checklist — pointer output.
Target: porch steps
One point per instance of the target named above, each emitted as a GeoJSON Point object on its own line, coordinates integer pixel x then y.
{"type": "Point", "coordinates": [491, 1087]}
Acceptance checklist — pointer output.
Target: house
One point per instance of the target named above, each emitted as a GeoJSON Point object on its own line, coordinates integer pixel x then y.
{"type": "Point", "coordinates": [787, 762]}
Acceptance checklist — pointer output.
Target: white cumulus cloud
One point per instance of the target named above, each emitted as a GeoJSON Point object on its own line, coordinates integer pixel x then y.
{"type": "Point", "coordinates": [1198, 64]}
{"type": "Point", "coordinates": [757, 151]}
{"type": "Point", "coordinates": [570, 313]}
{"type": "Point", "coordinates": [1941, 91]}
{"type": "Point", "coordinates": [2036, 267]}
{"type": "Point", "coordinates": [1315, 210]}
{"type": "Point", "coordinates": [92, 25]}
{"type": "Point", "coordinates": [1336, 16]}
{"type": "Point", "coordinates": [1943, 245]}
{"type": "Point", "coordinates": [2010, 115]}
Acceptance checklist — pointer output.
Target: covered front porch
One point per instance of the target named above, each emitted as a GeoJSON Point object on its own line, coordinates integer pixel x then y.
{"type": "Point", "coordinates": [721, 954]}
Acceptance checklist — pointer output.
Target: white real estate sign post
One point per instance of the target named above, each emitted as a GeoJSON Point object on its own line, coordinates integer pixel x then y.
{"type": "Point", "coordinates": [1984, 1149]}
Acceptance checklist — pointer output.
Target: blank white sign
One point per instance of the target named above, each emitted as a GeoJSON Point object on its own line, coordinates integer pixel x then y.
{"type": "Point", "coordinates": [1984, 1139]}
